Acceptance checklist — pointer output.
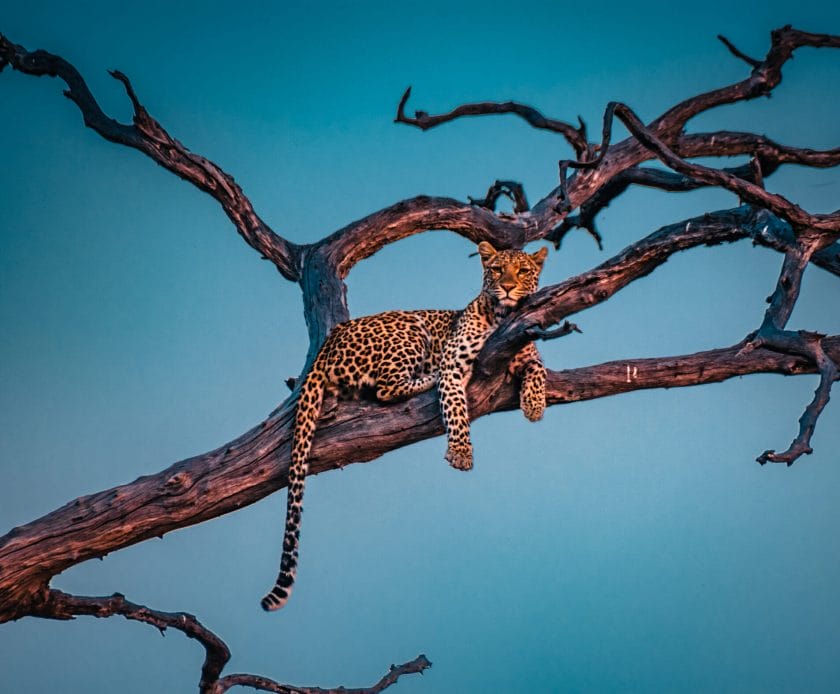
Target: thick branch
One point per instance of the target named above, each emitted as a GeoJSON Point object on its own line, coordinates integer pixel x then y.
{"type": "Point", "coordinates": [364, 237]}
{"type": "Point", "coordinates": [257, 464]}
{"type": "Point", "coordinates": [555, 303]}
{"type": "Point", "coordinates": [149, 137]}
{"type": "Point", "coordinates": [713, 366]}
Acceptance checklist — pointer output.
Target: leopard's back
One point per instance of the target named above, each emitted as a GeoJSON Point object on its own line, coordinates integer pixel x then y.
{"type": "Point", "coordinates": [359, 352]}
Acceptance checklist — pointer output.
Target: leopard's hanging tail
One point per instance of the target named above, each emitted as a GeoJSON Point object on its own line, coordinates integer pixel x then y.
{"type": "Point", "coordinates": [306, 417]}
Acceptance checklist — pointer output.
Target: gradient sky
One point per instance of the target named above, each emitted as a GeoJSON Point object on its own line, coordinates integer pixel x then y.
{"type": "Point", "coordinates": [629, 544]}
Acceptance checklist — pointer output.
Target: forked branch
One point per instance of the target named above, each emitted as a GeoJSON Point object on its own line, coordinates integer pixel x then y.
{"type": "Point", "coordinates": [149, 137]}
{"type": "Point", "coordinates": [60, 605]}
{"type": "Point", "coordinates": [745, 189]}
{"type": "Point", "coordinates": [772, 334]}
{"type": "Point", "coordinates": [512, 190]}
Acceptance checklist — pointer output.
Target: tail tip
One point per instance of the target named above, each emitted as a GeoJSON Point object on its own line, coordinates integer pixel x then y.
{"type": "Point", "coordinates": [275, 599]}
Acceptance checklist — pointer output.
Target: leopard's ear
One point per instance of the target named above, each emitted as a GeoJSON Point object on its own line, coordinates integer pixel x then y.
{"type": "Point", "coordinates": [486, 251]}
{"type": "Point", "coordinates": [539, 256]}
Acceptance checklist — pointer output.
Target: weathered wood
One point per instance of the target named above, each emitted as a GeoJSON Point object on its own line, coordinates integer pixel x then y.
{"type": "Point", "coordinates": [256, 463]}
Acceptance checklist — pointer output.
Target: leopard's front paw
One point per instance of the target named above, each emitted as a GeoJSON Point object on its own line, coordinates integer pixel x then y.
{"type": "Point", "coordinates": [532, 407]}
{"type": "Point", "coordinates": [460, 458]}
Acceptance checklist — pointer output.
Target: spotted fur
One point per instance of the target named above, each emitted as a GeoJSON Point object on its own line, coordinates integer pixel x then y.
{"type": "Point", "coordinates": [398, 354]}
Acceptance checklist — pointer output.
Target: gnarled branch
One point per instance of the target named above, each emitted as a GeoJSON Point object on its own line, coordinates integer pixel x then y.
{"type": "Point", "coordinates": [576, 137]}
{"type": "Point", "coordinates": [149, 137]}
{"type": "Point", "coordinates": [256, 463]}
{"type": "Point", "coordinates": [60, 605]}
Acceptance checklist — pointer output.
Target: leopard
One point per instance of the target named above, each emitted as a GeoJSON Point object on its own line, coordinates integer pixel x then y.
{"type": "Point", "coordinates": [398, 354]}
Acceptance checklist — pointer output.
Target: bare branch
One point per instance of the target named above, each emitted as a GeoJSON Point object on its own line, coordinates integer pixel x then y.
{"type": "Point", "coordinates": [770, 153]}
{"type": "Point", "coordinates": [512, 190]}
{"type": "Point", "coordinates": [765, 76]}
{"type": "Point", "coordinates": [555, 303]}
{"type": "Point", "coordinates": [363, 238]}
{"type": "Point", "coordinates": [668, 127]}
{"type": "Point", "coordinates": [549, 214]}
{"type": "Point", "coordinates": [778, 204]}
{"type": "Point", "coordinates": [767, 157]}
{"type": "Point", "coordinates": [772, 334]}
{"type": "Point", "coordinates": [738, 54]}
{"type": "Point", "coordinates": [712, 366]}
{"type": "Point", "coordinates": [256, 464]}
{"type": "Point", "coordinates": [60, 605]}
{"type": "Point", "coordinates": [576, 137]}
{"type": "Point", "coordinates": [618, 184]}
{"type": "Point", "coordinates": [541, 334]}
{"type": "Point", "coordinates": [418, 665]}
{"type": "Point", "coordinates": [810, 344]}
{"type": "Point", "coordinates": [149, 137]}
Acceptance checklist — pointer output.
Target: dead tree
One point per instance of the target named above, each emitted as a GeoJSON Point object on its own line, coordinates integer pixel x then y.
{"type": "Point", "coordinates": [256, 464]}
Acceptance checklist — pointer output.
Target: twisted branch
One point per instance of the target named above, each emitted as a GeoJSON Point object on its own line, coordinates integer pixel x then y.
{"type": "Point", "coordinates": [764, 77]}
{"type": "Point", "coordinates": [801, 220]}
{"type": "Point", "coordinates": [772, 334]}
{"type": "Point", "coordinates": [60, 605]}
{"type": "Point", "coordinates": [576, 137]}
{"type": "Point", "coordinates": [256, 463]}
{"type": "Point", "coordinates": [613, 159]}
{"type": "Point", "coordinates": [149, 137]}
{"type": "Point", "coordinates": [416, 666]}
{"type": "Point", "coordinates": [512, 190]}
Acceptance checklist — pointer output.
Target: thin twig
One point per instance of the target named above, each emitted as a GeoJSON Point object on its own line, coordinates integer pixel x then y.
{"type": "Point", "coordinates": [738, 54]}
{"type": "Point", "coordinates": [543, 334]}
{"type": "Point", "coordinates": [512, 190]}
{"type": "Point", "coordinates": [576, 137]}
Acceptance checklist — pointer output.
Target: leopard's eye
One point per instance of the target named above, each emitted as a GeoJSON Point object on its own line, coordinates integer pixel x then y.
{"type": "Point", "coordinates": [495, 272]}
{"type": "Point", "coordinates": [524, 271]}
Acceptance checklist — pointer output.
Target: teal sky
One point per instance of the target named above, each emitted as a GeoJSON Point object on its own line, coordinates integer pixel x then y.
{"type": "Point", "coordinates": [623, 545]}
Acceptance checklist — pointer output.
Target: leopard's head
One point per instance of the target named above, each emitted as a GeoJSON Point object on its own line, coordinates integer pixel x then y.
{"type": "Point", "coordinates": [510, 276]}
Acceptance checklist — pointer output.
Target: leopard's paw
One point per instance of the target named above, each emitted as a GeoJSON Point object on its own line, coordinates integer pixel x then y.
{"type": "Point", "coordinates": [460, 458]}
{"type": "Point", "coordinates": [532, 408]}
